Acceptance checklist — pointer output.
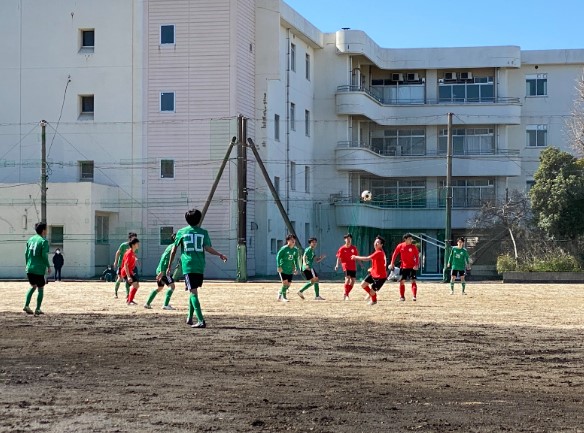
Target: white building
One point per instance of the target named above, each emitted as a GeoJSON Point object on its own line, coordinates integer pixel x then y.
{"type": "Point", "coordinates": [143, 96]}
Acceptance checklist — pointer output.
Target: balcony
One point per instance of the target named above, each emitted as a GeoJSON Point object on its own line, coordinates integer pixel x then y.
{"type": "Point", "coordinates": [358, 100]}
{"type": "Point", "coordinates": [361, 157]}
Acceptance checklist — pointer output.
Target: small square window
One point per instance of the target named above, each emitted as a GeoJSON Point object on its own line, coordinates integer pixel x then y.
{"type": "Point", "coordinates": [536, 85]}
{"type": "Point", "coordinates": [167, 34]}
{"type": "Point", "coordinates": [88, 38]}
{"type": "Point", "coordinates": [87, 104]}
{"type": "Point", "coordinates": [167, 168]}
{"type": "Point", "coordinates": [308, 67]}
{"type": "Point", "coordinates": [86, 171]}
{"type": "Point", "coordinates": [102, 229]}
{"type": "Point", "coordinates": [536, 135]}
{"type": "Point", "coordinates": [166, 235]}
{"type": "Point", "coordinates": [167, 101]}
{"type": "Point", "coordinates": [56, 235]}
{"type": "Point", "coordinates": [292, 57]}
{"type": "Point", "coordinates": [273, 246]}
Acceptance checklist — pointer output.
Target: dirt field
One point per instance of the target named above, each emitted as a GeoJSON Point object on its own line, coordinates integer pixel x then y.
{"type": "Point", "coordinates": [502, 358]}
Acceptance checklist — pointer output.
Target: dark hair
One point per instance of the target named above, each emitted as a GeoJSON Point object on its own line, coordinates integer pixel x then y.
{"type": "Point", "coordinates": [348, 235]}
{"type": "Point", "coordinates": [39, 228]}
{"type": "Point", "coordinates": [312, 239]}
{"type": "Point", "coordinates": [380, 240]}
{"type": "Point", "coordinates": [193, 217]}
{"type": "Point", "coordinates": [132, 235]}
{"type": "Point", "coordinates": [290, 236]}
{"type": "Point", "coordinates": [134, 241]}
{"type": "Point", "coordinates": [459, 239]}
{"type": "Point", "coordinates": [408, 235]}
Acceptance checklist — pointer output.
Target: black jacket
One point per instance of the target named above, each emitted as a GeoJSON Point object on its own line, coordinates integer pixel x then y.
{"type": "Point", "coordinates": [58, 260]}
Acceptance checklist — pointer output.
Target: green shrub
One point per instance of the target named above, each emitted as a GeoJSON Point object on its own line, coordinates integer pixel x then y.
{"type": "Point", "coordinates": [505, 263]}
{"type": "Point", "coordinates": [553, 263]}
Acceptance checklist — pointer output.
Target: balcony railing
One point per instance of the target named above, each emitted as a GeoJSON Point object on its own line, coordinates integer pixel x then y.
{"type": "Point", "coordinates": [431, 154]}
{"type": "Point", "coordinates": [407, 202]}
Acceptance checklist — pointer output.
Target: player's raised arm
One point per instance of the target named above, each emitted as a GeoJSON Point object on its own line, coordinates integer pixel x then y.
{"type": "Point", "coordinates": [214, 252]}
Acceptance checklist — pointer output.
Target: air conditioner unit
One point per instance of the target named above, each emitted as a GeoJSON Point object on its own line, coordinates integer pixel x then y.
{"type": "Point", "coordinates": [412, 76]}
{"type": "Point", "coordinates": [466, 75]}
{"type": "Point", "coordinates": [450, 76]}
{"type": "Point", "coordinates": [397, 77]}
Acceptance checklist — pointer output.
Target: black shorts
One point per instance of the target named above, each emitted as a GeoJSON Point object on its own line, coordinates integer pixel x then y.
{"type": "Point", "coordinates": [376, 283]}
{"type": "Point", "coordinates": [134, 279]}
{"type": "Point", "coordinates": [457, 273]}
{"type": "Point", "coordinates": [407, 274]}
{"type": "Point", "coordinates": [193, 281]}
{"type": "Point", "coordinates": [309, 274]}
{"type": "Point", "coordinates": [36, 280]}
{"type": "Point", "coordinates": [352, 274]}
{"type": "Point", "coordinates": [286, 277]}
{"type": "Point", "coordinates": [164, 280]}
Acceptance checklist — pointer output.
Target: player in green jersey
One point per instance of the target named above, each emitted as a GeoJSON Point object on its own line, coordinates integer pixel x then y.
{"type": "Point", "coordinates": [287, 263]}
{"type": "Point", "coordinates": [163, 279]}
{"type": "Point", "coordinates": [124, 246]}
{"type": "Point", "coordinates": [460, 263]}
{"type": "Point", "coordinates": [310, 274]}
{"type": "Point", "coordinates": [194, 241]}
{"type": "Point", "coordinates": [37, 263]}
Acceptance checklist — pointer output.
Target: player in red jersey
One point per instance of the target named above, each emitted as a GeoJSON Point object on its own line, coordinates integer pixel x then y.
{"type": "Point", "coordinates": [377, 272]}
{"type": "Point", "coordinates": [128, 270]}
{"type": "Point", "coordinates": [349, 265]}
{"type": "Point", "coordinates": [410, 262]}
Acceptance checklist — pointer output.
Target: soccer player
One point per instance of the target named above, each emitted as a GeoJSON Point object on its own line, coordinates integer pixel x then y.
{"type": "Point", "coordinates": [37, 262]}
{"type": "Point", "coordinates": [124, 246]}
{"type": "Point", "coordinates": [349, 266]}
{"type": "Point", "coordinates": [460, 263]}
{"type": "Point", "coordinates": [307, 267]}
{"type": "Point", "coordinates": [287, 263]}
{"type": "Point", "coordinates": [128, 272]}
{"type": "Point", "coordinates": [377, 272]}
{"type": "Point", "coordinates": [194, 241]}
{"type": "Point", "coordinates": [410, 261]}
{"type": "Point", "coordinates": [163, 279]}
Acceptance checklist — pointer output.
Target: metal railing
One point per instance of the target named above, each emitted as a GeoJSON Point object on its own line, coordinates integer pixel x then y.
{"type": "Point", "coordinates": [432, 154]}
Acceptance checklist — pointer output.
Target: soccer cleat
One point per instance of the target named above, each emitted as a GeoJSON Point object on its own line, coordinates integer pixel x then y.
{"type": "Point", "coordinates": [345, 297]}
{"type": "Point", "coordinates": [168, 307]}
{"type": "Point", "coordinates": [319, 298]}
{"type": "Point", "coordinates": [279, 296]}
{"type": "Point", "coordinates": [372, 302]}
{"type": "Point", "coordinates": [131, 303]}
{"type": "Point", "coordinates": [402, 299]}
{"type": "Point", "coordinates": [148, 306]}
{"type": "Point", "coordinates": [452, 292]}
{"type": "Point", "coordinates": [199, 325]}
{"type": "Point", "coordinates": [283, 299]}
{"type": "Point", "coordinates": [27, 310]}
{"type": "Point", "coordinates": [190, 321]}
{"type": "Point", "coordinates": [414, 299]}
{"type": "Point", "coordinates": [301, 295]}
{"type": "Point", "coordinates": [463, 292]}
{"type": "Point", "coordinates": [38, 312]}
{"type": "Point", "coordinates": [115, 296]}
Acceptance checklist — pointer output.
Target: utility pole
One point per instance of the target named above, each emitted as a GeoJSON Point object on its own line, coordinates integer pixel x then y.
{"type": "Point", "coordinates": [43, 124]}
{"type": "Point", "coordinates": [241, 200]}
{"type": "Point", "coordinates": [448, 227]}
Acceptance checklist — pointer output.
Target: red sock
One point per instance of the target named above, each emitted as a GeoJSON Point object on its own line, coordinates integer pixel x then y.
{"type": "Point", "coordinates": [402, 289]}
{"type": "Point", "coordinates": [133, 291]}
{"type": "Point", "coordinates": [367, 289]}
{"type": "Point", "coordinates": [414, 288]}
{"type": "Point", "coordinates": [374, 296]}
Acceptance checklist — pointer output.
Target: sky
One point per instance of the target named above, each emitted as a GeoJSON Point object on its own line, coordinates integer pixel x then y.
{"type": "Point", "coordinates": [530, 24]}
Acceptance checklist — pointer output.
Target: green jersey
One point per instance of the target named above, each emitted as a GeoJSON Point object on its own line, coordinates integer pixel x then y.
{"type": "Point", "coordinates": [287, 259]}
{"type": "Point", "coordinates": [308, 258]}
{"type": "Point", "coordinates": [458, 258]}
{"type": "Point", "coordinates": [193, 241]}
{"type": "Point", "coordinates": [122, 249]}
{"type": "Point", "coordinates": [163, 264]}
{"type": "Point", "coordinates": [37, 255]}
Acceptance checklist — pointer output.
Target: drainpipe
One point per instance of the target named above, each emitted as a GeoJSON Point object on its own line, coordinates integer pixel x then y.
{"type": "Point", "coordinates": [288, 173]}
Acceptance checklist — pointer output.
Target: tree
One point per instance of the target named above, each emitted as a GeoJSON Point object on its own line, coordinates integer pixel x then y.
{"type": "Point", "coordinates": [557, 197]}
{"type": "Point", "coordinates": [576, 121]}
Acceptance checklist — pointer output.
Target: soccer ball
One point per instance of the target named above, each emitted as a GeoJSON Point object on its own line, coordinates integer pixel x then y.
{"type": "Point", "coordinates": [366, 195]}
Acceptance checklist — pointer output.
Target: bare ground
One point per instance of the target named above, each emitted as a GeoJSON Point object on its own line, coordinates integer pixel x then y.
{"type": "Point", "coordinates": [502, 358]}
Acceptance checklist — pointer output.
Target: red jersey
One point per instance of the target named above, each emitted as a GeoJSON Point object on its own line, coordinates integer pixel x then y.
{"type": "Point", "coordinates": [410, 257]}
{"type": "Point", "coordinates": [130, 260]}
{"type": "Point", "coordinates": [344, 254]}
{"type": "Point", "coordinates": [378, 269]}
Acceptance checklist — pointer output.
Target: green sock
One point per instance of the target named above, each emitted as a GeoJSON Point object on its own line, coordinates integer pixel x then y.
{"type": "Point", "coordinates": [127, 289]}
{"type": "Point", "coordinates": [40, 295]}
{"type": "Point", "coordinates": [29, 296]}
{"type": "Point", "coordinates": [191, 310]}
{"type": "Point", "coordinates": [306, 286]}
{"type": "Point", "coordinates": [452, 287]}
{"type": "Point", "coordinates": [168, 296]}
{"type": "Point", "coordinates": [463, 286]}
{"type": "Point", "coordinates": [117, 287]}
{"type": "Point", "coordinates": [197, 307]}
{"type": "Point", "coordinates": [316, 290]}
{"type": "Point", "coordinates": [283, 291]}
{"type": "Point", "coordinates": [153, 294]}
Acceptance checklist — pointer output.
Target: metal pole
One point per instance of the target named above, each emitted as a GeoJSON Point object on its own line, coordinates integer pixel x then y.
{"type": "Point", "coordinates": [448, 225]}
{"type": "Point", "coordinates": [43, 171]}
{"type": "Point", "coordinates": [241, 200]}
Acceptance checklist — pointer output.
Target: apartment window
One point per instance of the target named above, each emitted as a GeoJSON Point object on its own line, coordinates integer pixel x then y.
{"type": "Point", "coordinates": [273, 246]}
{"type": "Point", "coordinates": [468, 193]}
{"type": "Point", "coordinates": [277, 127]}
{"type": "Point", "coordinates": [398, 142]}
{"type": "Point", "coordinates": [167, 168]}
{"type": "Point", "coordinates": [528, 185]}
{"type": "Point", "coordinates": [293, 57]}
{"type": "Point", "coordinates": [306, 179]}
{"type": "Point", "coordinates": [536, 85]}
{"type": "Point", "coordinates": [397, 193]}
{"type": "Point", "coordinates": [307, 67]}
{"type": "Point", "coordinates": [86, 169]}
{"type": "Point", "coordinates": [292, 116]}
{"type": "Point", "coordinates": [277, 185]}
{"type": "Point", "coordinates": [166, 235]}
{"type": "Point", "coordinates": [468, 141]}
{"type": "Point", "coordinates": [307, 123]}
{"type": "Point", "coordinates": [86, 103]}
{"type": "Point", "coordinates": [87, 37]}
{"type": "Point", "coordinates": [167, 34]}
{"type": "Point", "coordinates": [480, 89]}
{"type": "Point", "coordinates": [56, 235]}
{"type": "Point", "coordinates": [167, 101]}
{"type": "Point", "coordinates": [102, 229]}
{"type": "Point", "coordinates": [292, 176]}
{"type": "Point", "coordinates": [536, 135]}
